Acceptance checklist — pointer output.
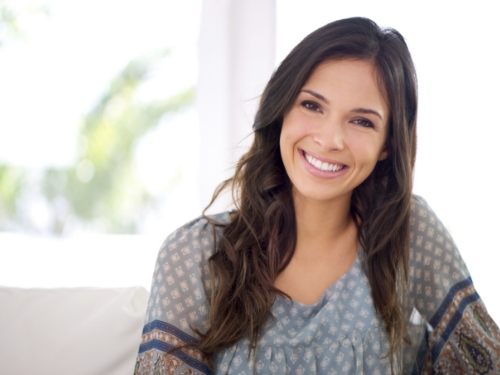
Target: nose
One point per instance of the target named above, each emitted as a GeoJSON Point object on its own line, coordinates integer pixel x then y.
{"type": "Point", "coordinates": [330, 135]}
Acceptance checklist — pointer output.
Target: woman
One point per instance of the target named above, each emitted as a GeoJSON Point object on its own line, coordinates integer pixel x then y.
{"type": "Point", "coordinates": [328, 264]}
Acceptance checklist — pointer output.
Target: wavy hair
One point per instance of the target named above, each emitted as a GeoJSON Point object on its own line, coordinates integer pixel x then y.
{"type": "Point", "coordinates": [259, 241]}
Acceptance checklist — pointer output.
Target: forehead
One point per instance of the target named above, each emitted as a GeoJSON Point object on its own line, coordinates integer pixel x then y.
{"type": "Point", "coordinates": [350, 82]}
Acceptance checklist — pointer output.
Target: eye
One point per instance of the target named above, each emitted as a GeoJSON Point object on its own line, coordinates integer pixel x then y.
{"type": "Point", "coordinates": [365, 123]}
{"type": "Point", "coordinates": [311, 105]}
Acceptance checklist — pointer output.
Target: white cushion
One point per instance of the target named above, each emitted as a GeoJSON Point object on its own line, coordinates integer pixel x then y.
{"type": "Point", "coordinates": [70, 330]}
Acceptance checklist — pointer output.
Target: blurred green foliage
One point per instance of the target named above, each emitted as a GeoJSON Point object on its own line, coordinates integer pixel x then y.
{"type": "Point", "coordinates": [8, 23]}
{"type": "Point", "coordinates": [100, 190]}
{"type": "Point", "coordinates": [13, 15]}
{"type": "Point", "coordinates": [102, 186]}
{"type": "Point", "coordinates": [11, 188]}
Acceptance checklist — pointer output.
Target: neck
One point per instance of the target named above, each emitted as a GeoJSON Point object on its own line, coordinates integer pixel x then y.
{"type": "Point", "coordinates": [323, 227]}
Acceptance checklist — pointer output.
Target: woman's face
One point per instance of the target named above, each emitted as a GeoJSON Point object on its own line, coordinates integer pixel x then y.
{"type": "Point", "coordinates": [335, 131]}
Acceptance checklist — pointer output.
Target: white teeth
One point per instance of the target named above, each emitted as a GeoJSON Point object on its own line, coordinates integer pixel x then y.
{"type": "Point", "coordinates": [324, 166]}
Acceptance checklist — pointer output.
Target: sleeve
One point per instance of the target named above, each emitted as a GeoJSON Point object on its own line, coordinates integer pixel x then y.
{"type": "Point", "coordinates": [459, 337]}
{"type": "Point", "coordinates": [178, 304]}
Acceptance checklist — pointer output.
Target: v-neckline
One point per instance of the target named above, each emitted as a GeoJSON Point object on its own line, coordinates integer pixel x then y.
{"type": "Point", "coordinates": [356, 264]}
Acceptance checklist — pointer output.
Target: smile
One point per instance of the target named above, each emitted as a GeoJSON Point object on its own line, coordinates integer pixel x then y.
{"type": "Point", "coordinates": [322, 165]}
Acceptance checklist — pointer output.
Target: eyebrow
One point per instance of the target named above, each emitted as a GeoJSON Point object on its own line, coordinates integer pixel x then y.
{"type": "Point", "coordinates": [316, 95]}
{"type": "Point", "coordinates": [365, 111]}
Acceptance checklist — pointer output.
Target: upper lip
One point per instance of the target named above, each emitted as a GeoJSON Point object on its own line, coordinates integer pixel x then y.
{"type": "Point", "coordinates": [329, 161]}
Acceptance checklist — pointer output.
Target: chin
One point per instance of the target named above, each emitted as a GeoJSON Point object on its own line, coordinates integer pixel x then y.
{"type": "Point", "coordinates": [321, 196]}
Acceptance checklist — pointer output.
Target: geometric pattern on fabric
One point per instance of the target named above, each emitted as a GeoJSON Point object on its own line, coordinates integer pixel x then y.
{"type": "Point", "coordinates": [177, 304]}
{"type": "Point", "coordinates": [450, 330]}
{"type": "Point", "coordinates": [460, 336]}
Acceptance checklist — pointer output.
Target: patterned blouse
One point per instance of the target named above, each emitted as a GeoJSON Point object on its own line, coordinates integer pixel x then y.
{"type": "Point", "coordinates": [449, 327]}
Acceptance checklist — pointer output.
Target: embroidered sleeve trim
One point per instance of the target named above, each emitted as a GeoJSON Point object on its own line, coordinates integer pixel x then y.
{"type": "Point", "coordinates": [445, 320]}
{"type": "Point", "coordinates": [164, 337]}
{"type": "Point", "coordinates": [168, 328]}
{"type": "Point", "coordinates": [445, 305]}
{"type": "Point", "coordinates": [436, 350]}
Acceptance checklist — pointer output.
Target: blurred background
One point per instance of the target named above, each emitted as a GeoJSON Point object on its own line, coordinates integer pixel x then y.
{"type": "Point", "coordinates": [118, 120]}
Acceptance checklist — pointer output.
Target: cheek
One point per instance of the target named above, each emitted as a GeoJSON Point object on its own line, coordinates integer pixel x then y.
{"type": "Point", "coordinates": [283, 144]}
{"type": "Point", "coordinates": [283, 137]}
{"type": "Point", "coordinates": [290, 135]}
{"type": "Point", "coordinates": [293, 129]}
{"type": "Point", "coordinates": [286, 149]}
{"type": "Point", "coordinates": [287, 135]}
{"type": "Point", "coordinates": [367, 152]}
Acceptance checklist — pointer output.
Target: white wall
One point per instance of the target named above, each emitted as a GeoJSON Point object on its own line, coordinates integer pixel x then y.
{"type": "Point", "coordinates": [236, 58]}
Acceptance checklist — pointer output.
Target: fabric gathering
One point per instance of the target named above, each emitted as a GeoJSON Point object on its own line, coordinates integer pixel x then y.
{"type": "Point", "coordinates": [451, 332]}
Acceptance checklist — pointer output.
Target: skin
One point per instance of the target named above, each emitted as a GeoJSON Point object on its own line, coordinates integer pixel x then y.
{"type": "Point", "coordinates": [339, 117]}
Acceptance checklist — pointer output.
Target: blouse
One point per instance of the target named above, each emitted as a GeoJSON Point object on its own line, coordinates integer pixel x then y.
{"type": "Point", "coordinates": [449, 329]}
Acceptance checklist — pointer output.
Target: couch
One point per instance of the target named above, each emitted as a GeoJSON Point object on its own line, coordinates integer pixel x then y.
{"type": "Point", "coordinates": [70, 330]}
{"type": "Point", "coordinates": [73, 306]}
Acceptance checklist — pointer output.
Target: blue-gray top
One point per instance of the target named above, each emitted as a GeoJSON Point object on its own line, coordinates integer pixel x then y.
{"type": "Point", "coordinates": [450, 330]}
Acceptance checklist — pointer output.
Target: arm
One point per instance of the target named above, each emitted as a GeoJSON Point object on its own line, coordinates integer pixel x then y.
{"type": "Point", "coordinates": [177, 304]}
{"type": "Point", "coordinates": [460, 336]}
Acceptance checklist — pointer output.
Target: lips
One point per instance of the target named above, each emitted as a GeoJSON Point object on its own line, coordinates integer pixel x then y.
{"type": "Point", "coordinates": [323, 167]}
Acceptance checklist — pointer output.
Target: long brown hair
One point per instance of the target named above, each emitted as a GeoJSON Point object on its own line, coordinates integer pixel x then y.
{"type": "Point", "coordinates": [259, 241]}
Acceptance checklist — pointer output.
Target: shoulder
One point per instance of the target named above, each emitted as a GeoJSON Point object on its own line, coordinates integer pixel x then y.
{"type": "Point", "coordinates": [421, 212]}
{"type": "Point", "coordinates": [435, 261]}
{"type": "Point", "coordinates": [181, 279]}
{"type": "Point", "coordinates": [425, 225]}
{"type": "Point", "coordinates": [187, 249]}
{"type": "Point", "coordinates": [197, 235]}
{"type": "Point", "coordinates": [427, 232]}
{"type": "Point", "coordinates": [432, 248]}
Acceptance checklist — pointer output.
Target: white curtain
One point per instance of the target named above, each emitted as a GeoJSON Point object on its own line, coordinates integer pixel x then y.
{"type": "Point", "coordinates": [236, 59]}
